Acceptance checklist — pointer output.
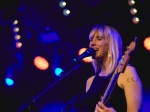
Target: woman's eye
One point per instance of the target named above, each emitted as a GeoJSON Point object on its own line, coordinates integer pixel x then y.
{"type": "Point", "coordinates": [99, 38]}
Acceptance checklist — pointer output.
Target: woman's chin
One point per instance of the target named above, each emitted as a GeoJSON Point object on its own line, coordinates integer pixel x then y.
{"type": "Point", "coordinates": [95, 57]}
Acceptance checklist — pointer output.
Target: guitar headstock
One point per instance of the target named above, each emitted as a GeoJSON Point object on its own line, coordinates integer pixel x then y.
{"type": "Point", "coordinates": [125, 58]}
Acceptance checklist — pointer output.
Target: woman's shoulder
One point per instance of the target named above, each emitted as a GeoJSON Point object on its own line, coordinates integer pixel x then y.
{"type": "Point", "coordinates": [129, 75]}
{"type": "Point", "coordinates": [130, 71]}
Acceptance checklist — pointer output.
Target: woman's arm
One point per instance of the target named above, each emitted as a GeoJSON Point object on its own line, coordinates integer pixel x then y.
{"type": "Point", "coordinates": [133, 89]}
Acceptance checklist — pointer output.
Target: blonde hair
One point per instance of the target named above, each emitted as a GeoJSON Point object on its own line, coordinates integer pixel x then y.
{"type": "Point", "coordinates": [114, 50]}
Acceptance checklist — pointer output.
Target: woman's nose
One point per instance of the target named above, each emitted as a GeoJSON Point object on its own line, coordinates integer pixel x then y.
{"type": "Point", "coordinates": [92, 44]}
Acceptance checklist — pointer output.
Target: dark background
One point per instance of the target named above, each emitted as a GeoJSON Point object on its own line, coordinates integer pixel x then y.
{"type": "Point", "coordinates": [37, 17]}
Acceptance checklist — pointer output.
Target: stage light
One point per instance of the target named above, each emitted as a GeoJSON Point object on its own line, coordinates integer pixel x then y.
{"type": "Point", "coordinates": [66, 12]}
{"type": "Point", "coordinates": [47, 28]}
{"type": "Point", "coordinates": [41, 63]}
{"type": "Point", "coordinates": [58, 71]}
{"type": "Point", "coordinates": [18, 44]}
{"type": "Point", "coordinates": [135, 20]}
{"type": "Point", "coordinates": [131, 2]}
{"type": "Point", "coordinates": [17, 37]}
{"type": "Point", "coordinates": [147, 43]}
{"type": "Point", "coordinates": [19, 61]}
{"type": "Point", "coordinates": [16, 29]}
{"type": "Point", "coordinates": [87, 59]}
{"type": "Point", "coordinates": [15, 22]}
{"type": "Point", "coordinates": [133, 11]}
{"type": "Point", "coordinates": [9, 81]}
{"type": "Point", "coordinates": [48, 38]}
{"type": "Point", "coordinates": [62, 4]}
{"type": "Point", "coordinates": [56, 106]}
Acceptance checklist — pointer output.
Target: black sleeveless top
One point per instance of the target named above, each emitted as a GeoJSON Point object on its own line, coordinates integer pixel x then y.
{"type": "Point", "coordinates": [92, 97]}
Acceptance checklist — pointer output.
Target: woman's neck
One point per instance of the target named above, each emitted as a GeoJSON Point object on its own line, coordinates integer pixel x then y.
{"type": "Point", "coordinates": [104, 68]}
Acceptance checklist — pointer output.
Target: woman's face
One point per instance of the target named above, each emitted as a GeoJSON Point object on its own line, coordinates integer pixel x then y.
{"type": "Point", "coordinates": [99, 44]}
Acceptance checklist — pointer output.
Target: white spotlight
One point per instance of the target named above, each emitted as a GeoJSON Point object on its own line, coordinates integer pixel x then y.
{"type": "Point", "coordinates": [15, 22]}
{"type": "Point", "coordinates": [66, 12]}
{"type": "Point", "coordinates": [131, 2]}
{"type": "Point", "coordinates": [62, 4]}
{"type": "Point", "coordinates": [17, 37]}
{"type": "Point", "coordinates": [16, 29]}
{"type": "Point", "coordinates": [133, 11]}
{"type": "Point", "coordinates": [18, 44]}
{"type": "Point", "coordinates": [135, 20]}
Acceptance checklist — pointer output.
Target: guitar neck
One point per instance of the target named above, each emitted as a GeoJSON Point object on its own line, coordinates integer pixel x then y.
{"type": "Point", "coordinates": [120, 69]}
{"type": "Point", "coordinates": [110, 87]}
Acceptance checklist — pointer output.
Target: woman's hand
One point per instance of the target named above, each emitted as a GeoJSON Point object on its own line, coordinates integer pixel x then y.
{"type": "Point", "coordinates": [100, 107]}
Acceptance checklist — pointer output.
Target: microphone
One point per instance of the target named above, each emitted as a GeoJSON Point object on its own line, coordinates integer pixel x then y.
{"type": "Point", "coordinates": [88, 52]}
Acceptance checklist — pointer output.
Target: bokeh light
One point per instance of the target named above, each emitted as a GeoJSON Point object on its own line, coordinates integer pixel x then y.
{"type": "Point", "coordinates": [131, 2]}
{"type": "Point", "coordinates": [9, 81]}
{"type": "Point", "coordinates": [87, 59]}
{"type": "Point", "coordinates": [135, 20]}
{"type": "Point", "coordinates": [66, 12]}
{"type": "Point", "coordinates": [147, 43]}
{"type": "Point", "coordinates": [15, 22]}
{"type": "Point", "coordinates": [16, 29]}
{"type": "Point", "coordinates": [17, 37]}
{"type": "Point", "coordinates": [58, 71]}
{"type": "Point", "coordinates": [62, 4]}
{"type": "Point", "coordinates": [18, 44]}
{"type": "Point", "coordinates": [41, 63]}
{"type": "Point", "coordinates": [133, 11]}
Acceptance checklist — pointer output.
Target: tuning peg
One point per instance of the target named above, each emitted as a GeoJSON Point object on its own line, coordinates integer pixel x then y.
{"type": "Point", "coordinates": [128, 48]}
{"type": "Point", "coordinates": [135, 39]}
{"type": "Point", "coordinates": [126, 52]}
{"type": "Point", "coordinates": [123, 57]}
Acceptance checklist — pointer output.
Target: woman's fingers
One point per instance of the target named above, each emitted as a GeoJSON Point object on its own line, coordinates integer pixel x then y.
{"type": "Point", "coordinates": [102, 106]}
{"type": "Point", "coordinates": [98, 109]}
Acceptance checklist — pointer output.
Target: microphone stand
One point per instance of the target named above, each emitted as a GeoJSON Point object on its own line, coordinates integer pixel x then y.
{"type": "Point", "coordinates": [33, 100]}
{"type": "Point", "coordinates": [79, 99]}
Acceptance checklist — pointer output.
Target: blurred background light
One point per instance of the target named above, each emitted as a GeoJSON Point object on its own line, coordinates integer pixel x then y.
{"type": "Point", "coordinates": [62, 4]}
{"type": "Point", "coordinates": [66, 12]}
{"type": "Point", "coordinates": [17, 37]}
{"type": "Point", "coordinates": [47, 28]}
{"type": "Point", "coordinates": [147, 43]}
{"type": "Point", "coordinates": [133, 11]}
{"type": "Point", "coordinates": [9, 75]}
{"type": "Point", "coordinates": [87, 59]}
{"type": "Point", "coordinates": [41, 63]}
{"type": "Point", "coordinates": [55, 106]}
{"type": "Point", "coordinates": [58, 71]}
{"type": "Point", "coordinates": [16, 29]}
{"type": "Point", "coordinates": [15, 22]}
{"type": "Point", "coordinates": [18, 45]}
{"type": "Point", "coordinates": [9, 81]}
{"type": "Point", "coordinates": [19, 61]}
{"type": "Point", "coordinates": [135, 20]}
{"type": "Point", "coordinates": [49, 37]}
{"type": "Point", "coordinates": [131, 2]}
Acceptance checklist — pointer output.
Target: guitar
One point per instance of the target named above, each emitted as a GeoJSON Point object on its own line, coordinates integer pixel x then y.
{"type": "Point", "coordinates": [119, 69]}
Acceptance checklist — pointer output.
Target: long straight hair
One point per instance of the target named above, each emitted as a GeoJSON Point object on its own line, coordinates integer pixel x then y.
{"type": "Point", "coordinates": [114, 50]}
